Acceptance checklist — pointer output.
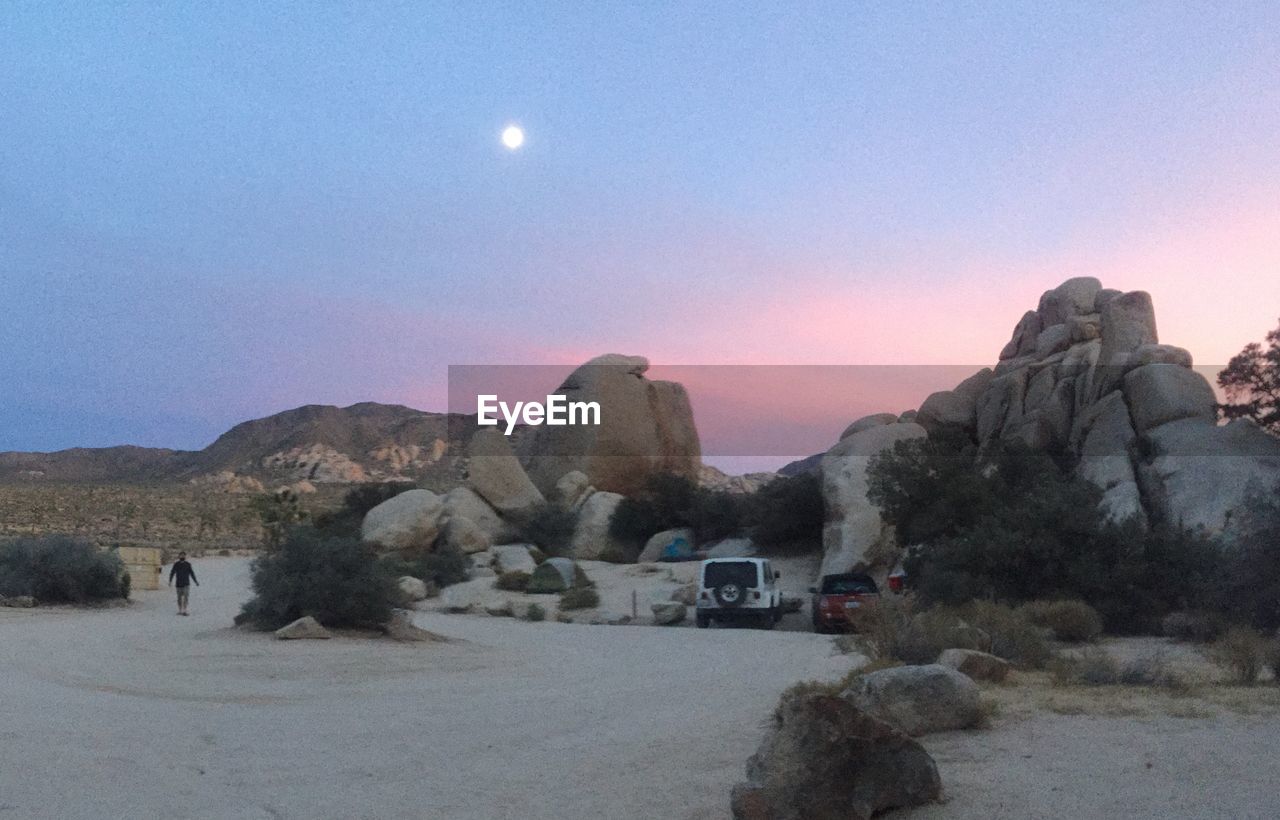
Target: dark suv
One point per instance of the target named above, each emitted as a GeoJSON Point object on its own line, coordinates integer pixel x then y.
{"type": "Point", "coordinates": [838, 596]}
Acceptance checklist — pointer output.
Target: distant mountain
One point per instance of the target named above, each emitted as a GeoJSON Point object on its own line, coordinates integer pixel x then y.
{"type": "Point", "coordinates": [316, 443]}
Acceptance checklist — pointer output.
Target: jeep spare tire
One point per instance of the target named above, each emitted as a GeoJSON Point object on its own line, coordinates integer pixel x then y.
{"type": "Point", "coordinates": [730, 595]}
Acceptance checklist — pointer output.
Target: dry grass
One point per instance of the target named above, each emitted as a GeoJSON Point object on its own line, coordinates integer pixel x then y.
{"type": "Point", "coordinates": [1070, 621]}
{"type": "Point", "coordinates": [1243, 652]}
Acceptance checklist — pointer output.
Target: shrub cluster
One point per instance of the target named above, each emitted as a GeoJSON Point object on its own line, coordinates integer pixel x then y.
{"type": "Point", "coordinates": [1243, 652]}
{"type": "Point", "coordinates": [345, 521]}
{"type": "Point", "coordinates": [336, 580]}
{"type": "Point", "coordinates": [785, 515]}
{"type": "Point", "coordinates": [551, 527]}
{"type": "Point", "coordinates": [58, 569]}
{"type": "Point", "coordinates": [579, 598]}
{"type": "Point", "coordinates": [669, 501]}
{"type": "Point", "coordinates": [1095, 667]}
{"type": "Point", "coordinates": [1069, 621]}
{"type": "Point", "coordinates": [516, 580]}
{"type": "Point", "coordinates": [898, 632]}
{"type": "Point", "coordinates": [1013, 525]}
{"type": "Point", "coordinates": [443, 566]}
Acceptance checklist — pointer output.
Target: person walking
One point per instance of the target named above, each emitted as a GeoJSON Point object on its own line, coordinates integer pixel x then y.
{"type": "Point", "coordinates": [183, 573]}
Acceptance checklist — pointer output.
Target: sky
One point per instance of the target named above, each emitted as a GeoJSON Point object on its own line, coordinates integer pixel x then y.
{"type": "Point", "coordinates": [212, 212]}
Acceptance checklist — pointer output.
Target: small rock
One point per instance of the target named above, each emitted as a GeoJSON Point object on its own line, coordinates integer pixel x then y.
{"type": "Point", "coordinates": [401, 628]}
{"type": "Point", "coordinates": [460, 598]}
{"type": "Point", "coordinates": [498, 608]}
{"type": "Point", "coordinates": [667, 613]}
{"type": "Point", "coordinates": [514, 558]}
{"type": "Point", "coordinates": [413, 589]}
{"type": "Point", "coordinates": [305, 628]}
{"type": "Point", "coordinates": [687, 595]}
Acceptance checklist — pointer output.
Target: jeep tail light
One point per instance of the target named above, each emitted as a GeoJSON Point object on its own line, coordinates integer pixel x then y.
{"type": "Point", "coordinates": [756, 595]}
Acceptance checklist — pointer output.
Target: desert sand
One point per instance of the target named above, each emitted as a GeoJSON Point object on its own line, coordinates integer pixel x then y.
{"type": "Point", "coordinates": [137, 712]}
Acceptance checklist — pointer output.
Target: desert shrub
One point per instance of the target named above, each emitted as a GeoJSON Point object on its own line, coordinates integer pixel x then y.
{"type": "Point", "coordinates": [346, 520]}
{"type": "Point", "coordinates": [919, 637]}
{"type": "Point", "coordinates": [58, 569]}
{"type": "Point", "coordinates": [445, 565]}
{"type": "Point", "coordinates": [1272, 658]}
{"type": "Point", "coordinates": [1095, 667]}
{"type": "Point", "coordinates": [1070, 621]}
{"type": "Point", "coordinates": [338, 581]}
{"type": "Point", "coordinates": [1013, 525]}
{"type": "Point", "coordinates": [580, 578]}
{"type": "Point", "coordinates": [1013, 637]}
{"type": "Point", "coordinates": [786, 514]}
{"type": "Point", "coordinates": [550, 527]}
{"type": "Point", "coordinates": [1197, 627]}
{"type": "Point", "coordinates": [669, 501]}
{"type": "Point", "coordinates": [516, 580]}
{"type": "Point", "coordinates": [535, 613]}
{"type": "Point", "coordinates": [579, 598]}
{"type": "Point", "coordinates": [1242, 652]}
{"type": "Point", "coordinates": [1250, 589]}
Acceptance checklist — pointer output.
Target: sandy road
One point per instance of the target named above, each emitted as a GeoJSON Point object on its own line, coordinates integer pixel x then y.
{"type": "Point", "coordinates": [139, 713]}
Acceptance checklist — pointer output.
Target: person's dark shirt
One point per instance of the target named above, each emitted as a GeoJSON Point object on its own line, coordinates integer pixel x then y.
{"type": "Point", "coordinates": [183, 572]}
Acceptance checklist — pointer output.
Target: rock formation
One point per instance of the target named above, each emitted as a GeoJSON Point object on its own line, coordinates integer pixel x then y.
{"type": "Point", "coordinates": [646, 427]}
{"type": "Point", "coordinates": [1084, 374]}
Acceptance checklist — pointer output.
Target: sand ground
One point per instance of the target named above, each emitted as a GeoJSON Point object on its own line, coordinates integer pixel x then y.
{"type": "Point", "coordinates": [135, 712]}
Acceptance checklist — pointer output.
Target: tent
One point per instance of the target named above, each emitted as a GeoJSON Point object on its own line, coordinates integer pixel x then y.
{"type": "Point", "coordinates": [552, 575]}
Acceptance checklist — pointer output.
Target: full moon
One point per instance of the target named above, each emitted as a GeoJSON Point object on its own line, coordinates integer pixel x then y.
{"type": "Point", "coordinates": [513, 137]}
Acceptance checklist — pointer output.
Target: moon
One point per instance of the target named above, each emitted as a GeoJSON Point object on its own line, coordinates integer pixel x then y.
{"type": "Point", "coordinates": [513, 137]}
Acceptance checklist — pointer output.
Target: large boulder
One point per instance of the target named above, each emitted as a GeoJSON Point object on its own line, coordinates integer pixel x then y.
{"type": "Point", "coordinates": [495, 474]}
{"type": "Point", "coordinates": [1074, 297]}
{"type": "Point", "coordinates": [873, 420]}
{"type": "Point", "coordinates": [1201, 474]}
{"type": "Point", "coordinates": [465, 535]}
{"type": "Point", "coordinates": [464, 502]}
{"type": "Point", "coordinates": [646, 427]}
{"type": "Point", "coordinates": [854, 536]}
{"type": "Point", "coordinates": [1024, 338]}
{"type": "Point", "coordinates": [305, 628]}
{"type": "Point", "coordinates": [1105, 457]}
{"type": "Point", "coordinates": [591, 538]}
{"type": "Point", "coordinates": [919, 699]}
{"type": "Point", "coordinates": [955, 410]}
{"type": "Point", "coordinates": [823, 759]}
{"type": "Point", "coordinates": [407, 522]}
{"type": "Point", "coordinates": [1128, 323]}
{"type": "Point", "coordinates": [1160, 393]}
{"type": "Point", "coordinates": [679, 541]}
{"type": "Point", "coordinates": [572, 489]}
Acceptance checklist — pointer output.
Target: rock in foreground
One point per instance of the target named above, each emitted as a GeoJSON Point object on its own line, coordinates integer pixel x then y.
{"type": "Point", "coordinates": [919, 699]}
{"type": "Point", "coordinates": [305, 628]}
{"type": "Point", "coordinates": [824, 759]}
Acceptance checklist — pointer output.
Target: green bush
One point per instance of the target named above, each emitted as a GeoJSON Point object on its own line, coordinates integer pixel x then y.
{"type": "Point", "coordinates": [346, 520]}
{"type": "Point", "coordinates": [1013, 637]}
{"type": "Point", "coordinates": [786, 514]}
{"type": "Point", "coordinates": [338, 581]}
{"type": "Point", "coordinates": [1095, 667]}
{"type": "Point", "coordinates": [1070, 621]}
{"type": "Point", "coordinates": [579, 598]}
{"type": "Point", "coordinates": [919, 637]}
{"type": "Point", "coordinates": [670, 501]}
{"type": "Point", "coordinates": [551, 527]}
{"type": "Point", "coordinates": [1242, 652]}
{"type": "Point", "coordinates": [1013, 526]}
{"type": "Point", "coordinates": [58, 569]}
{"type": "Point", "coordinates": [1250, 588]}
{"type": "Point", "coordinates": [444, 566]}
{"type": "Point", "coordinates": [516, 580]}
{"type": "Point", "coordinates": [535, 613]}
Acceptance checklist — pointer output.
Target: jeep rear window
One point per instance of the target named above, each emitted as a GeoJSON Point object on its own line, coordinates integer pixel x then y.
{"type": "Point", "coordinates": [845, 585]}
{"type": "Point", "coordinates": [742, 573]}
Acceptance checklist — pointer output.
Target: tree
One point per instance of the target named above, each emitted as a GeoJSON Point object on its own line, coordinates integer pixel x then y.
{"type": "Point", "coordinates": [1252, 382]}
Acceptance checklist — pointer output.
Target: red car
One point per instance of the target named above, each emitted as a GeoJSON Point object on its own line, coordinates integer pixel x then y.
{"type": "Point", "coordinates": [838, 596]}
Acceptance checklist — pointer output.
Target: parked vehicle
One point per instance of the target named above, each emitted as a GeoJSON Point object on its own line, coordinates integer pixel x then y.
{"type": "Point", "coordinates": [738, 590]}
{"type": "Point", "coordinates": [838, 596]}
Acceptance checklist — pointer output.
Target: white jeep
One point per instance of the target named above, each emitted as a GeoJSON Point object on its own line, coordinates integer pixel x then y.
{"type": "Point", "coordinates": [738, 590]}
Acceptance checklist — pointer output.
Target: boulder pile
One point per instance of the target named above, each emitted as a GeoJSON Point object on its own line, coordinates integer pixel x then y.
{"type": "Point", "coordinates": [1083, 373]}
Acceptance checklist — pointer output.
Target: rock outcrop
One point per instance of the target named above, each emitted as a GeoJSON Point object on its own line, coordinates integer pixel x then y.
{"type": "Point", "coordinates": [591, 539]}
{"type": "Point", "coordinates": [496, 475]}
{"type": "Point", "coordinates": [1084, 374]}
{"type": "Point", "coordinates": [854, 537]}
{"type": "Point", "coordinates": [822, 759]}
{"type": "Point", "coordinates": [646, 427]}
{"type": "Point", "coordinates": [407, 522]}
